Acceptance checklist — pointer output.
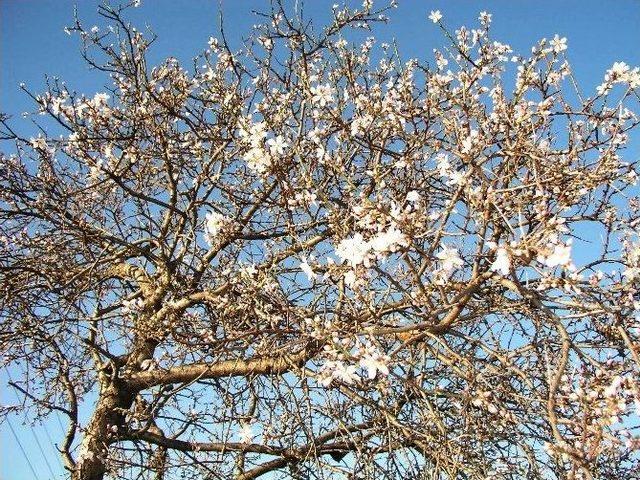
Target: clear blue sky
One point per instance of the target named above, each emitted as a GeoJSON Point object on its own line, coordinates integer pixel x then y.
{"type": "Point", "coordinates": [32, 43]}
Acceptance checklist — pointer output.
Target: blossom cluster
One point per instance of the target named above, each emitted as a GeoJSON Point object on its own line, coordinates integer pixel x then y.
{"type": "Point", "coordinates": [342, 367]}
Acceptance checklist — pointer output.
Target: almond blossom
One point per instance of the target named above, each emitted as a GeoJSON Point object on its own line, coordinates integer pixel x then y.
{"type": "Point", "coordinates": [413, 196]}
{"type": "Point", "coordinates": [246, 433]}
{"type": "Point", "coordinates": [559, 255]}
{"type": "Point", "coordinates": [388, 241]}
{"type": "Point", "coordinates": [258, 160]}
{"type": "Point", "coordinates": [435, 16]}
{"type": "Point", "coordinates": [374, 363]}
{"type": "Point", "coordinates": [558, 44]}
{"type": "Point", "coordinates": [368, 254]}
{"type": "Point", "coordinates": [321, 95]}
{"type": "Point", "coordinates": [307, 270]}
{"type": "Point", "coordinates": [353, 250]}
{"type": "Point", "coordinates": [215, 223]}
{"type": "Point", "coordinates": [449, 259]}
{"type": "Point", "coordinates": [337, 371]}
{"type": "Point", "coordinates": [277, 145]}
{"type": "Point", "coordinates": [502, 262]}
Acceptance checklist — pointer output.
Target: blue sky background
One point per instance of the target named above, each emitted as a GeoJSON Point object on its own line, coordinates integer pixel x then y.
{"type": "Point", "coordinates": [32, 44]}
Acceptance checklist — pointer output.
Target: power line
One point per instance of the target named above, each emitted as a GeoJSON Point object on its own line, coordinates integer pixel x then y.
{"type": "Point", "coordinates": [24, 453]}
{"type": "Point", "coordinates": [62, 429]}
{"type": "Point", "coordinates": [53, 475]}
{"type": "Point", "coordinates": [33, 432]}
{"type": "Point", "coordinates": [46, 431]}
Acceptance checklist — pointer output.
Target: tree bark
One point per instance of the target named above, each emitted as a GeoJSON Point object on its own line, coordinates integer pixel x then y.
{"type": "Point", "coordinates": [107, 417]}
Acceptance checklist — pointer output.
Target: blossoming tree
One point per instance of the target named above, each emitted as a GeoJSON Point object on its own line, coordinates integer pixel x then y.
{"type": "Point", "coordinates": [311, 259]}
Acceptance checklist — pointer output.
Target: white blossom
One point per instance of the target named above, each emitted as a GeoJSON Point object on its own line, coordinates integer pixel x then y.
{"type": "Point", "coordinates": [39, 143]}
{"type": "Point", "coordinates": [484, 18]}
{"type": "Point", "coordinates": [100, 99]}
{"type": "Point", "coordinates": [469, 142]}
{"type": "Point", "coordinates": [413, 196]}
{"type": "Point", "coordinates": [277, 145]}
{"type": "Point", "coordinates": [321, 95]}
{"type": "Point", "coordinates": [560, 255]}
{"type": "Point", "coordinates": [353, 250]}
{"type": "Point", "coordinates": [612, 389]}
{"type": "Point", "coordinates": [558, 44]}
{"type": "Point", "coordinates": [132, 306]}
{"type": "Point", "coordinates": [307, 270]}
{"type": "Point", "coordinates": [502, 262]}
{"type": "Point", "coordinates": [258, 160]}
{"type": "Point", "coordinates": [255, 133]}
{"type": "Point", "coordinates": [388, 241]}
{"type": "Point", "coordinates": [374, 362]}
{"type": "Point", "coordinates": [336, 370]}
{"type": "Point", "coordinates": [215, 223]}
{"type": "Point", "coordinates": [435, 16]}
{"type": "Point", "coordinates": [631, 273]}
{"type": "Point", "coordinates": [618, 69]}
{"type": "Point", "coordinates": [450, 259]}
{"type": "Point", "coordinates": [246, 433]}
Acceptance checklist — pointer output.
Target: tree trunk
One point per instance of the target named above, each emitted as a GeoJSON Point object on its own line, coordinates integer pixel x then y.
{"type": "Point", "coordinates": [107, 417]}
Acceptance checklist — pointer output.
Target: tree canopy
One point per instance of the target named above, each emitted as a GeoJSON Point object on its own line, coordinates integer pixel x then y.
{"type": "Point", "coordinates": [313, 258]}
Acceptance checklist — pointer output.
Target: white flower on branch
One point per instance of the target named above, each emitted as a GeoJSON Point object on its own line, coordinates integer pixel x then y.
{"type": "Point", "coordinates": [215, 223]}
{"type": "Point", "coordinates": [502, 262]}
{"type": "Point", "coordinates": [307, 270]}
{"type": "Point", "coordinates": [100, 100]}
{"type": "Point", "coordinates": [356, 251]}
{"type": "Point", "coordinates": [618, 70]}
{"type": "Point", "coordinates": [39, 143]}
{"type": "Point", "coordinates": [413, 196]}
{"type": "Point", "coordinates": [321, 95]}
{"type": "Point", "coordinates": [449, 259]}
{"type": "Point", "coordinates": [558, 44]}
{"type": "Point", "coordinates": [133, 306]}
{"type": "Point", "coordinates": [277, 145]}
{"type": "Point", "coordinates": [631, 273]}
{"type": "Point", "coordinates": [469, 142]}
{"type": "Point", "coordinates": [246, 433]}
{"type": "Point", "coordinates": [336, 370]}
{"type": "Point", "coordinates": [388, 241]}
{"type": "Point", "coordinates": [353, 250]}
{"type": "Point", "coordinates": [374, 362]}
{"type": "Point", "coordinates": [484, 18]}
{"type": "Point", "coordinates": [258, 160]}
{"type": "Point", "coordinates": [435, 16]}
{"type": "Point", "coordinates": [559, 255]}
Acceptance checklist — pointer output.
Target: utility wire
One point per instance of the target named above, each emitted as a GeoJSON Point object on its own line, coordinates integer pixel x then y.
{"type": "Point", "coordinates": [46, 431]}
{"type": "Point", "coordinates": [24, 453]}
{"type": "Point", "coordinates": [53, 475]}
{"type": "Point", "coordinates": [33, 432]}
{"type": "Point", "coordinates": [62, 429]}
